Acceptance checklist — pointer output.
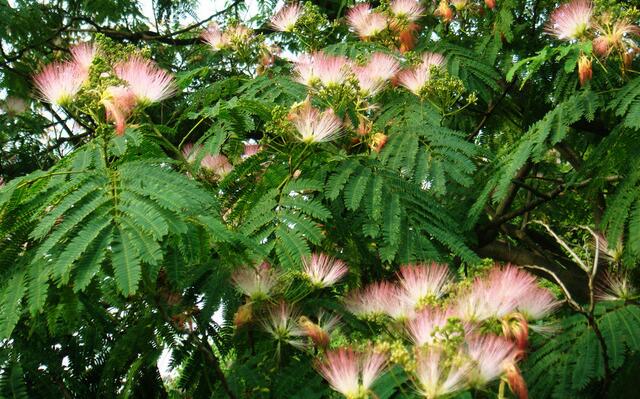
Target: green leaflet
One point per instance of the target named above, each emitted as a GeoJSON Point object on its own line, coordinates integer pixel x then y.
{"type": "Point", "coordinates": [10, 303]}
{"type": "Point", "coordinates": [126, 263]}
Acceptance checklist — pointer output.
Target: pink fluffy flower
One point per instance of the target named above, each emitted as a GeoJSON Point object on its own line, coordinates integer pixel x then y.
{"type": "Point", "coordinates": [472, 306]}
{"type": "Point", "coordinates": [285, 19]}
{"type": "Point", "coordinates": [432, 60]}
{"type": "Point", "coordinates": [341, 368]}
{"type": "Point", "coordinates": [399, 309]}
{"type": "Point", "coordinates": [501, 292]}
{"type": "Point", "coordinates": [379, 70]}
{"type": "Point", "coordinates": [615, 287]}
{"type": "Point", "coordinates": [351, 373]}
{"type": "Point", "coordinates": [324, 271]}
{"type": "Point", "coordinates": [515, 287]}
{"type": "Point", "coordinates": [256, 283]}
{"type": "Point", "coordinates": [14, 105]}
{"type": "Point", "coordinates": [377, 299]}
{"type": "Point", "coordinates": [417, 78]}
{"type": "Point", "coordinates": [382, 66]}
{"type": "Point", "coordinates": [483, 302]}
{"type": "Point", "coordinates": [314, 126]}
{"type": "Point", "coordinates": [421, 282]}
{"type": "Point", "coordinates": [491, 355]}
{"type": "Point", "coordinates": [409, 9]}
{"type": "Point", "coordinates": [436, 376]}
{"type": "Point", "coordinates": [618, 35]}
{"type": "Point", "coordinates": [149, 83]}
{"type": "Point", "coordinates": [190, 152]}
{"type": "Point", "coordinates": [537, 303]}
{"type": "Point", "coordinates": [82, 55]}
{"type": "Point", "coordinates": [218, 164]}
{"type": "Point", "coordinates": [571, 20]}
{"type": "Point", "coordinates": [215, 37]}
{"type": "Point", "coordinates": [510, 281]}
{"type": "Point", "coordinates": [59, 82]}
{"type": "Point", "coordinates": [373, 364]}
{"type": "Point", "coordinates": [281, 323]}
{"type": "Point", "coordinates": [423, 328]}
{"type": "Point", "coordinates": [304, 71]}
{"type": "Point", "coordinates": [118, 102]}
{"type": "Point", "coordinates": [238, 33]}
{"type": "Point", "coordinates": [323, 68]}
{"type": "Point", "coordinates": [365, 22]}
{"type": "Point", "coordinates": [250, 150]}
{"type": "Point", "coordinates": [331, 69]}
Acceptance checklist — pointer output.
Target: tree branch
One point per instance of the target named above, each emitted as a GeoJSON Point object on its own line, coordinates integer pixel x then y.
{"type": "Point", "coordinates": [492, 106]}
{"type": "Point", "coordinates": [167, 38]}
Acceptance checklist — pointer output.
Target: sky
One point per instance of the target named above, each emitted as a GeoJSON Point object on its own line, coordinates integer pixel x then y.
{"type": "Point", "coordinates": [204, 10]}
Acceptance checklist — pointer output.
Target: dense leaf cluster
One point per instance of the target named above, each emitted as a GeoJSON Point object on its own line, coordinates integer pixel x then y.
{"type": "Point", "coordinates": [117, 249]}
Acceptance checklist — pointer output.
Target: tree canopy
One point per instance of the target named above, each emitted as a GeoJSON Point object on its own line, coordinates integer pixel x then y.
{"type": "Point", "coordinates": [394, 199]}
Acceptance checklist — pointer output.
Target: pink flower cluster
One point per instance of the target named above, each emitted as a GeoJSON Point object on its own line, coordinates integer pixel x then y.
{"type": "Point", "coordinates": [283, 321]}
{"type": "Point", "coordinates": [142, 83]}
{"type": "Point", "coordinates": [435, 310]}
{"type": "Point", "coordinates": [322, 68]}
{"type": "Point", "coordinates": [437, 373]}
{"type": "Point", "coordinates": [373, 76]}
{"type": "Point", "coordinates": [366, 22]}
{"type": "Point", "coordinates": [285, 19]}
{"type": "Point", "coordinates": [502, 292]}
{"type": "Point", "coordinates": [417, 79]}
{"type": "Point", "coordinates": [350, 372]}
{"type": "Point", "coordinates": [571, 20]}
{"type": "Point", "coordinates": [314, 126]}
{"type": "Point", "coordinates": [217, 164]}
{"type": "Point", "coordinates": [417, 285]}
{"type": "Point", "coordinates": [220, 39]}
{"type": "Point", "coordinates": [60, 81]}
{"type": "Point", "coordinates": [576, 21]}
{"type": "Point", "coordinates": [328, 70]}
{"type": "Point", "coordinates": [397, 21]}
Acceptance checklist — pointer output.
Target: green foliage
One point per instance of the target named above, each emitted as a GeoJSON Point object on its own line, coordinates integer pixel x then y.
{"type": "Point", "coordinates": [384, 204]}
{"type": "Point", "coordinates": [571, 364]}
{"type": "Point", "coordinates": [626, 104]}
{"type": "Point", "coordinates": [421, 149]}
{"type": "Point", "coordinates": [117, 248]}
{"type": "Point", "coordinates": [534, 145]}
{"type": "Point", "coordinates": [124, 213]}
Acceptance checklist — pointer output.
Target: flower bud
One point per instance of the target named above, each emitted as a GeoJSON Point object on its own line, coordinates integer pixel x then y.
{"type": "Point", "coordinates": [444, 11]}
{"type": "Point", "coordinates": [244, 315]}
{"type": "Point", "coordinates": [378, 140]}
{"type": "Point", "coordinates": [585, 73]}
